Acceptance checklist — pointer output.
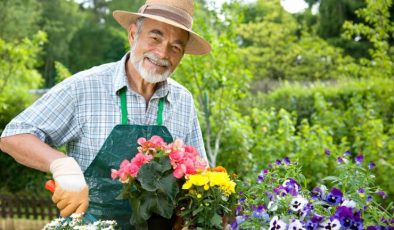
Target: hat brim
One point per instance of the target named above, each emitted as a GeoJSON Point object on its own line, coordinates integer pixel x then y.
{"type": "Point", "coordinates": [196, 44]}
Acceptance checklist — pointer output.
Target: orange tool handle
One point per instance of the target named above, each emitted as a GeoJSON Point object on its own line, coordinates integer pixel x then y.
{"type": "Point", "coordinates": [50, 186]}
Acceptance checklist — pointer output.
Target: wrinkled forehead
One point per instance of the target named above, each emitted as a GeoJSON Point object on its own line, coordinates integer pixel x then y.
{"type": "Point", "coordinates": [165, 30]}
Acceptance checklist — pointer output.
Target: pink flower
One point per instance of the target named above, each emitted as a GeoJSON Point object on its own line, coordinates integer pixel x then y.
{"type": "Point", "coordinates": [141, 141]}
{"type": "Point", "coordinates": [114, 174]}
{"type": "Point", "coordinates": [157, 141]}
{"type": "Point", "coordinates": [141, 159]}
{"type": "Point", "coordinates": [176, 156]}
{"type": "Point", "coordinates": [151, 146]}
{"type": "Point", "coordinates": [178, 173]}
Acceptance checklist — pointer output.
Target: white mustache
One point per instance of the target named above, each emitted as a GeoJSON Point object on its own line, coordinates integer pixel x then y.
{"type": "Point", "coordinates": [157, 60]}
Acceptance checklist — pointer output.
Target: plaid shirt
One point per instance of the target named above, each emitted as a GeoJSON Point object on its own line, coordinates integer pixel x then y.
{"type": "Point", "coordinates": [82, 110]}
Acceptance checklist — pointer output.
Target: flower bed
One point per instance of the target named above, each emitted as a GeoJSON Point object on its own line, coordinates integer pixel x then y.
{"type": "Point", "coordinates": [279, 199]}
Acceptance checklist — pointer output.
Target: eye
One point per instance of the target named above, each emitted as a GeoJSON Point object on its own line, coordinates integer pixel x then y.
{"type": "Point", "coordinates": [177, 48]}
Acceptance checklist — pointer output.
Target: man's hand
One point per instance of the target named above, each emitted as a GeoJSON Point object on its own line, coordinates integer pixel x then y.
{"type": "Point", "coordinates": [72, 193]}
{"type": "Point", "coordinates": [71, 202]}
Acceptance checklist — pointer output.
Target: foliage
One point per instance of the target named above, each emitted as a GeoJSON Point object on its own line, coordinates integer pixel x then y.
{"type": "Point", "coordinates": [330, 18]}
{"type": "Point", "coordinates": [218, 81]}
{"type": "Point", "coordinates": [300, 119]}
{"type": "Point", "coordinates": [17, 77]}
{"type": "Point", "coordinates": [60, 20]}
{"type": "Point", "coordinates": [379, 30]}
{"type": "Point", "coordinates": [347, 199]}
{"type": "Point", "coordinates": [61, 72]}
{"type": "Point", "coordinates": [274, 48]}
{"type": "Point", "coordinates": [19, 19]}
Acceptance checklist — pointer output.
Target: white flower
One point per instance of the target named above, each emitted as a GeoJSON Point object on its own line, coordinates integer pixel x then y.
{"type": "Point", "coordinates": [277, 224]}
{"type": "Point", "coordinates": [272, 206]}
{"type": "Point", "coordinates": [76, 222]}
{"type": "Point", "coordinates": [330, 225]}
{"type": "Point", "coordinates": [298, 203]}
{"type": "Point", "coordinates": [348, 203]}
{"type": "Point", "coordinates": [296, 225]}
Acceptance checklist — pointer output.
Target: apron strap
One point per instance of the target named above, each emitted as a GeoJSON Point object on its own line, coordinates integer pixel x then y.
{"type": "Point", "coordinates": [123, 107]}
{"type": "Point", "coordinates": [160, 112]}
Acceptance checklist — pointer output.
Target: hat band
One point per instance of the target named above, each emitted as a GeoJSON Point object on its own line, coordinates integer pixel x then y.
{"type": "Point", "coordinates": [171, 13]}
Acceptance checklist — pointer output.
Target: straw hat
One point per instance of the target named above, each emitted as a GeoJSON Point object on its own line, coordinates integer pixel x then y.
{"type": "Point", "coordinates": [178, 13]}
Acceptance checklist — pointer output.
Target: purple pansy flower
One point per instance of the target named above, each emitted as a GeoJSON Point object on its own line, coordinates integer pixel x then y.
{"type": "Point", "coordinates": [359, 159]}
{"type": "Point", "coordinates": [318, 193]}
{"type": "Point", "coordinates": [371, 165]}
{"type": "Point", "coordinates": [286, 160]}
{"type": "Point", "coordinates": [291, 186]}
{"type": "Point", "coordinates": [348, 219]}
{"type": "Point", "coordinates": [382, 194]}
{"type": "Point", "coordinates": [238, 221]}
{"type": "Point", "coordinates": [280, 191]}
{"type": "Point", "coordinates": [296, 225]}
{"type": "Point", "coordinates": [344, 215]}
{"type": "Point", "coordinates": [314, 222]}
{"type": "Point", "coordinates": [278, 162]}
{"type": "Point", "coordinates": [306, 210]}
{"type": "Point", "coordinates": [260, 178]}
{"type": "Point", "coordinates": [238, 210]}
{"type": "Point", "coordinates": [339, 160]}
{"type": "Point", "coordinates": [277, 224]}
{"type": "Point", "coordinates": [329, 224]}
{"type": "Point", "coordinates": [258, 211]}
{"type": "Point", "coordinates": [334, 197]}
{"type": "Point", "coordinates": [327, 152]}
{"type": "Point", "coordinates": [298, 203]}
{"type": "Point", "coordinates": [346, 153]}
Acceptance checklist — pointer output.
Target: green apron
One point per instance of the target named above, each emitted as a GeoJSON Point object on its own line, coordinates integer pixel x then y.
{"type": "Point", "coordinates": [121, 144]}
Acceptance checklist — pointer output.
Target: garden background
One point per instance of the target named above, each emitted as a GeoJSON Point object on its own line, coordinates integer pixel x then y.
{"type": "Point", "coordinates": [276, 84]}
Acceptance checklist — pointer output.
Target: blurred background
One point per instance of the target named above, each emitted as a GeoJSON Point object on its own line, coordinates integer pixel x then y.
{"type": "Point", "coordinates": [285, 78]}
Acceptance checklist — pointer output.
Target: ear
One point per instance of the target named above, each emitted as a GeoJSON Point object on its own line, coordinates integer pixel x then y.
{"type": "Point", "coordinates": [132, 32]}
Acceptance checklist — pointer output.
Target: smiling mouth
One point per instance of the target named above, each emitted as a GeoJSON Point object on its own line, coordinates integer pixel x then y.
{"type": "Point", "coordinates": [156, 63]}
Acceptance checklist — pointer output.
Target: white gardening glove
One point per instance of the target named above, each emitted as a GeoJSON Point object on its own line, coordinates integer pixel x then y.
{"type": "Point", "coordinates": [71, 193]}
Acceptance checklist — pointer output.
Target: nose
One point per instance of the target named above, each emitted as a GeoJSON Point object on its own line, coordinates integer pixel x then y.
{"type": "Point", "coordinates": [163, 50]}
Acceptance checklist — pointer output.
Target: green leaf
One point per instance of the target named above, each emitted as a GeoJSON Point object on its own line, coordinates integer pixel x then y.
{"type": "Point", "coordinates": [199, 209]}
{"type": "Point", "coordinates": [153, 177]}
{"type": "Point", "coordinates": [216, 220]}
{"type": "Point", "coordinates": [331, 178]}
{"type": "Point", "coordinates": [155, 202]}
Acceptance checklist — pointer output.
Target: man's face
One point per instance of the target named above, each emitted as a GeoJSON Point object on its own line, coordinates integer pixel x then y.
{"type": "Point", "coordinates": [157, 49]}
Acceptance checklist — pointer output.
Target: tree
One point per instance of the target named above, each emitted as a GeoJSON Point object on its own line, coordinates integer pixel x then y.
{"type": "Point", "coordinates": [18, 19]}
{"type": "Point", "coordinates": [378, 29]}
{"type": "Point", "coordinates": [219, 82]}
{"type": "Point", "coordinates": [275, 47]}
{"type": "Point", "coordinates": [60, 20]}
{"type": "Point", "coordinates": [17, 76]}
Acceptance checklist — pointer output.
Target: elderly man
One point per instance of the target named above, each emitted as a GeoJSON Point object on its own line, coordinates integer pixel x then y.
{"type": "Point", "coordinates": [101, 112]}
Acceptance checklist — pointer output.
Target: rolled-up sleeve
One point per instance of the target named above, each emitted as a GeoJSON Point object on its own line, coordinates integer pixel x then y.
{"type": "Point", "coordinates": [51, 118]}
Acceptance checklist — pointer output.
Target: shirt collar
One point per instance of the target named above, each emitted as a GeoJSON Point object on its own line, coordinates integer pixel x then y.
{"type": "Point", "coordinates": [162, 90]}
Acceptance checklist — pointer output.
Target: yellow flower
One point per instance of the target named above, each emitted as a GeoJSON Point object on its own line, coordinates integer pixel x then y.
{"type": "Point", "coordinates": [196, 180]}
{"type": "Point", "coordinates": [187, 185]}
{"type": "Point", "coordinates": [199, 196]}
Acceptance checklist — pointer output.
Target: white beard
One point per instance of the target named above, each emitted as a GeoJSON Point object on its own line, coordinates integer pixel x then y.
{"type": "Point", "coordinates": [149, 75]}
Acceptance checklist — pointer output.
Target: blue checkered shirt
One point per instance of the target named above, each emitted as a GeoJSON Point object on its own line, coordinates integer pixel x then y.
{"type": "Point", "coordinates": [82, 110]}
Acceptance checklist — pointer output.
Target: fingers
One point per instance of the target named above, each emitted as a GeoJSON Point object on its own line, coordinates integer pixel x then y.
{"type": "Point", "coordinates": [82, 207]}
{"type": "Point", "coordinates": [57, 195]}
{"type": "Point", "coordinates": [71, 202]}
{"type": "Point", "coordinates": [68, 210]}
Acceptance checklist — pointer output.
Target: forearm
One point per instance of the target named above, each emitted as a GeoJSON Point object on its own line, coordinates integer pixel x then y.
{"type": "Point", "coordinates": [30, 151]}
